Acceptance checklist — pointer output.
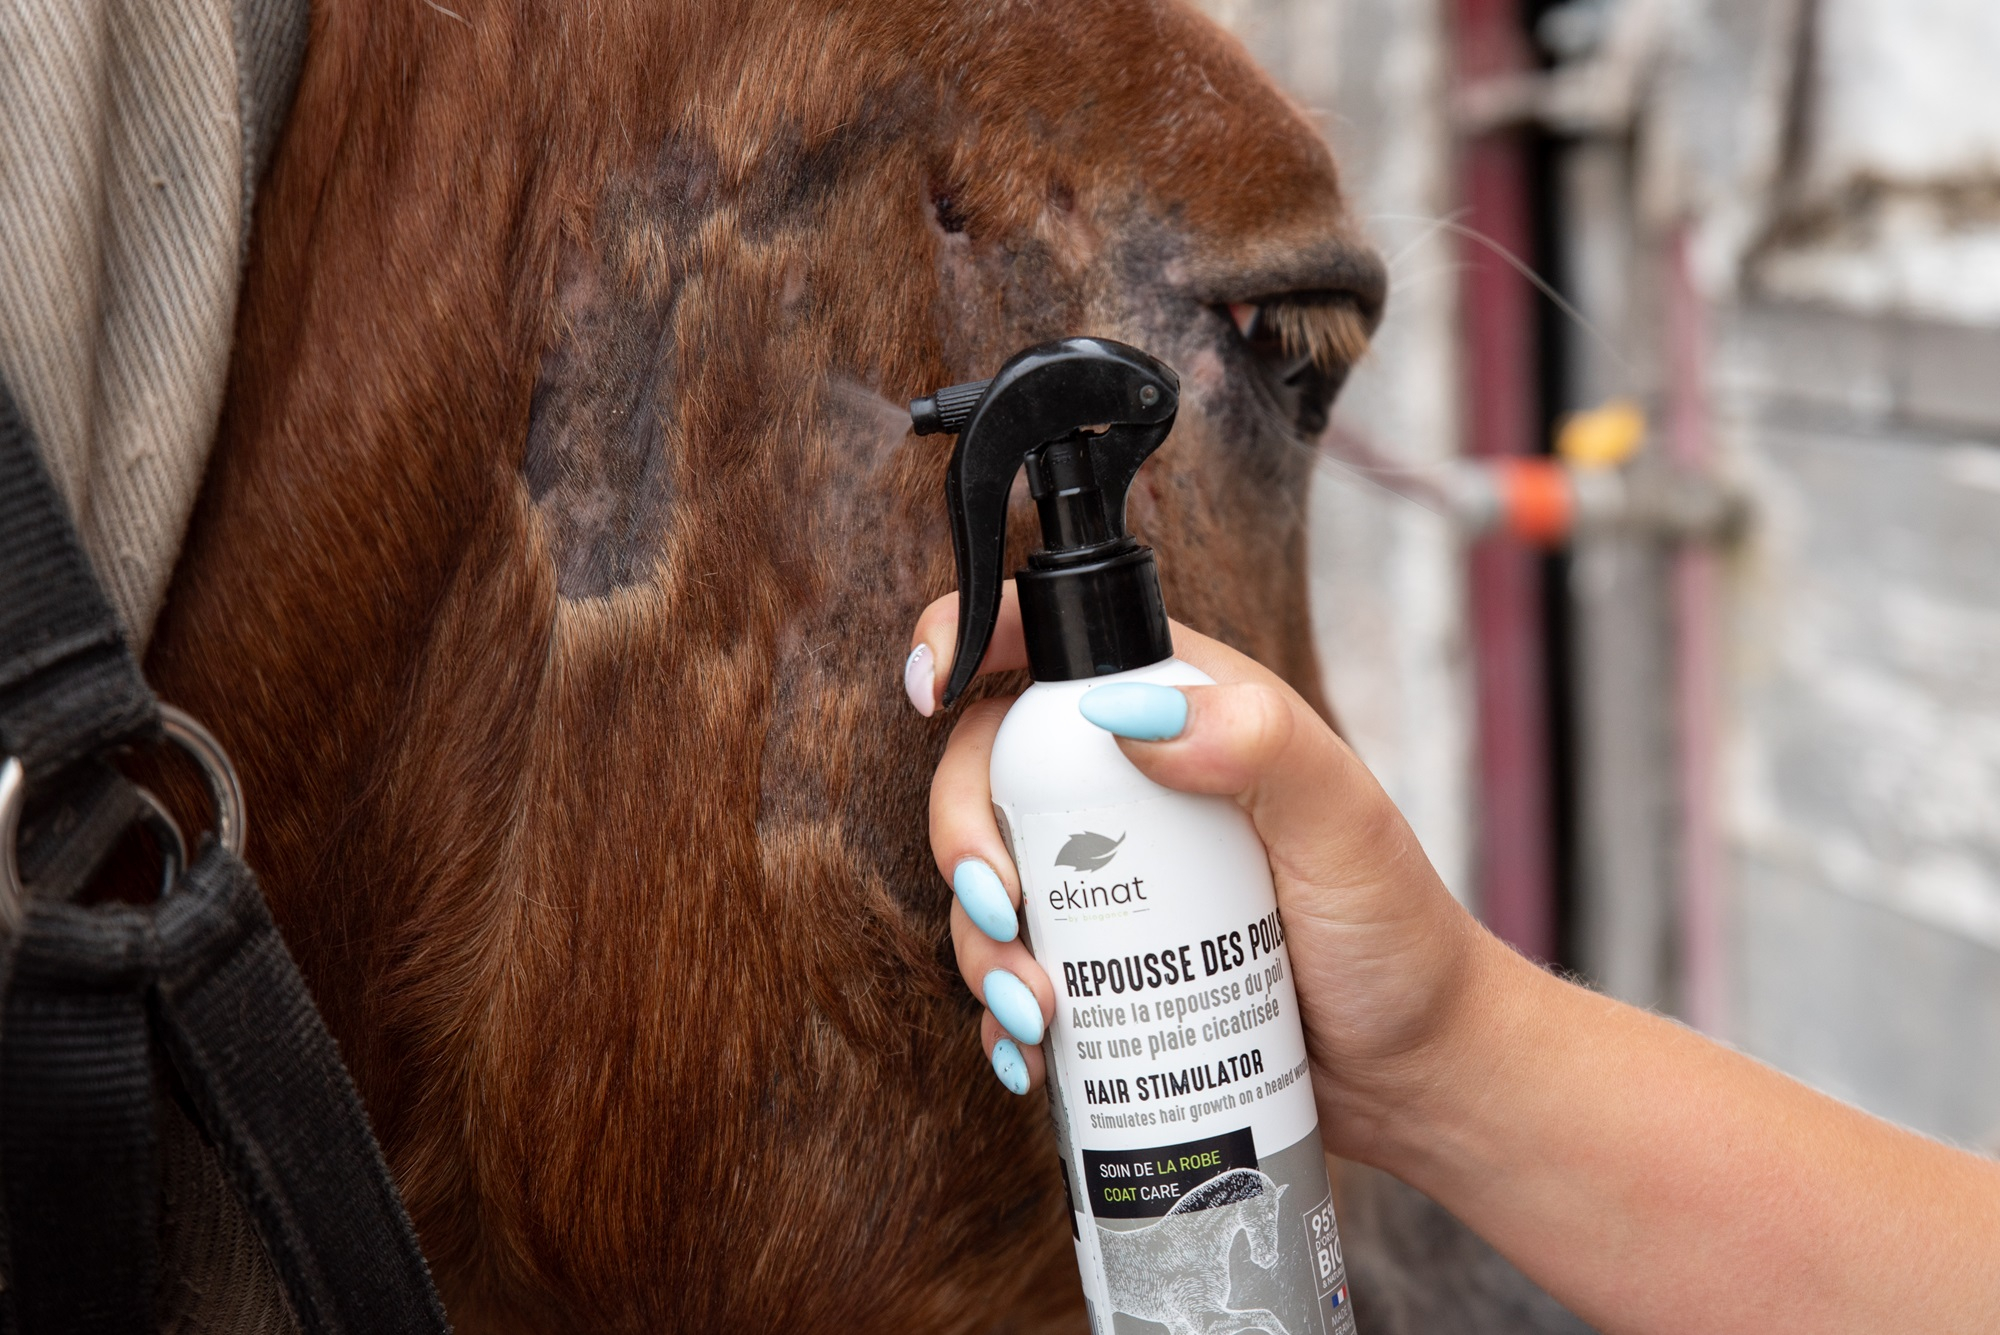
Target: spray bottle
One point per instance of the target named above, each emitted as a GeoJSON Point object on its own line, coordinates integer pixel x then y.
{"type": "Point", "coordinates": [1177, 1072]}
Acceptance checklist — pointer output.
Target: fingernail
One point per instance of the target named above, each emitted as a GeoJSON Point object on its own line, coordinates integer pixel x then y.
{"type": "Point", "coordinates": [1009, 1065]}
{"type": "Point", "coordinates": [985, 899]}
{"type": "Point", "coordinates": [919, 673]}
{"type": "Point", "coordinates": [1139, 710]}
{"type": "Point", "coordinates": [1014, 1006]}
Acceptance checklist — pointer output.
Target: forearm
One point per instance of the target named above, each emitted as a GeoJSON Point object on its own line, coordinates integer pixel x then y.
{"type": "Point", "coordinates": [1655, 1181]}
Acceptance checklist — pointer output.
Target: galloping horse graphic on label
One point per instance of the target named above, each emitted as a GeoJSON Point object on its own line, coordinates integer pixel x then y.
{"type": "Point", "coordinates": [1176, 1272]}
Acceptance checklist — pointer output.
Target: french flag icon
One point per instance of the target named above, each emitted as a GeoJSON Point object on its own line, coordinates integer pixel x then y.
{"type": "Point", "coordinates": [1338, 1298]}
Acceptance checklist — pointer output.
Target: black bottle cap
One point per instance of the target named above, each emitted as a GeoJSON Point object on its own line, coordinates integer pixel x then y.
{"type": "Point", "coordinates": [1082, 415]}
{"type": "Point", "coordinates": [1093, 619]}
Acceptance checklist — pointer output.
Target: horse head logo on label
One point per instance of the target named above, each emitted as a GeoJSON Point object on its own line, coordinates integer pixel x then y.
{"type": "Point", "coordinates": [1087, 851]}
{"type": "Point", "coordinates": [1177, 1271]}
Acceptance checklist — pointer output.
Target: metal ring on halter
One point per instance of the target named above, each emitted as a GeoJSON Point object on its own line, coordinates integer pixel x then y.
{"type": "Point", "coordinates": [153, 814]}
{"type": "Point", "coordinates": [225, 790]}
{"type": "Point", "coordinates": [13, 792]}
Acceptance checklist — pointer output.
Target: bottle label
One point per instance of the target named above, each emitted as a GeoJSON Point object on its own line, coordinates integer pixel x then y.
{"type": "Point", "coordinates": [1177, 1071]}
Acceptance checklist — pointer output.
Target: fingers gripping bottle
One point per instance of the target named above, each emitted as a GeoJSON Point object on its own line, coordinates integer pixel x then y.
{"type": "Point", "coordinates": [1178, 1079]}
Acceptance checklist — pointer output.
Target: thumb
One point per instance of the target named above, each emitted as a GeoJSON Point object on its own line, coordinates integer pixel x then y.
{"type": "Point", "coordinates": [1319, 811]}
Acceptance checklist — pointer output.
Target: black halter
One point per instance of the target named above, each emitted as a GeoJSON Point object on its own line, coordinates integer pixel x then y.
{"type": "Point", "coordinates": [193, 996]}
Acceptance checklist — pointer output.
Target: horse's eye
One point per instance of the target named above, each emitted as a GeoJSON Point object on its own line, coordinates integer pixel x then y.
{"type": "Point", "coordinates": [1302, 344]}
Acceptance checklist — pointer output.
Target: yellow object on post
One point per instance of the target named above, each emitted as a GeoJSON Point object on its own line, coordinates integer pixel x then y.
{"type": "Point", "coordinates": [1602, 437]}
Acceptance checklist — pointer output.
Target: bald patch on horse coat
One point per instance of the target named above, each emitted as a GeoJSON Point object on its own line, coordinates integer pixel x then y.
{"type": "Point", "coordinates": [598, 459]}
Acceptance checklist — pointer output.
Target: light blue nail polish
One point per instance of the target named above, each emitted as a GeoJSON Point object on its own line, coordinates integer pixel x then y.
{"type": "Point", "coordinates": [1014, 1006]}
{"type": "Point", "coordinates": [985, 899]}
{"type": "Point", "coordinates": [1010, 1067]}
{"type": "Point", "coordinates": [1139, 710]}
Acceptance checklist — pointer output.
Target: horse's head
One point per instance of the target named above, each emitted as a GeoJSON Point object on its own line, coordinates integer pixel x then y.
{"type": "Point", "coordinates": [550, 581]}
{"type": "Point", "coordinates": [1251, 1196]}
{"type": "Point", "coordinates": [1260, 1221]}
{"type": "Point", "coordinates": [850, 206]}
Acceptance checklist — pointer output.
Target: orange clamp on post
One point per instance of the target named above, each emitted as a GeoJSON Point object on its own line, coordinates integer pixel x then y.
{"type": "Point", "coordinates": [1537, 504]}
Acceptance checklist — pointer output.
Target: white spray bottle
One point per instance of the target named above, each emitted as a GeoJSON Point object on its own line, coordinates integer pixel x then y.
{"type": "Point", "coordinates": [1178, 1078]}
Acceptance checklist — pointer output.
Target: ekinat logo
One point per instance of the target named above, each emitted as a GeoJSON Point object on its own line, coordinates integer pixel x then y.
{"type": "Point", "coordinates": [1088, 851]}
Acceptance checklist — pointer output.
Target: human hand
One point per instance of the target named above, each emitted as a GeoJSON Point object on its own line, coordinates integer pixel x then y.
{"type": "Point", "coordinates": [1651, 1180]}
{"type": "Point", "coordinates": [1384, 959]}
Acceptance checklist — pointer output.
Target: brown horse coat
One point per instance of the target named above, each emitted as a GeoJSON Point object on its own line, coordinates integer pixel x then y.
{"type": "Point", "coordinates": [554, 566]}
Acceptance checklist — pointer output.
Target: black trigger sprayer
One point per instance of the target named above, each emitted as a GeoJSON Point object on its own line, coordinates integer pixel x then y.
{"type": "Point", "coordinates": [1082, 415]}
{"type": "Point", "coordinates": [1152, 911]}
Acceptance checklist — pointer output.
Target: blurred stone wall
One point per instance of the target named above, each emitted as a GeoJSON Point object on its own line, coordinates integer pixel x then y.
{"type": "Point", "coordinates": [1864, 793]}
{"type": "Point", "coordinates": [1841, 159]}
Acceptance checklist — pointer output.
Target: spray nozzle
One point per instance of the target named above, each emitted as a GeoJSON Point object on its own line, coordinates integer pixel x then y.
{"type": "Point", "coordinates": [1082, 414]}
{"type": "Point", "coordinates": [947, 410]}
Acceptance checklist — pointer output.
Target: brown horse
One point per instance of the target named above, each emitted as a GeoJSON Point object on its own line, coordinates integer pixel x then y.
{"type": "Point", "coordinates": [551, 577]}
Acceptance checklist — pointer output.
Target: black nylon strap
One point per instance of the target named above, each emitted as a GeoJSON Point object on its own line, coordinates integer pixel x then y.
{"type": "Point", "coordinates": [202, 973]}
{"type": "Point", "coordinates": [76, 1122]}
{"type": "Point", "coordinates": [77, 1142]}
{"type": "Point", "coordinates": [269, 1088]}
{"type": "Point", "coordinates": [265, 1080]}
{"type": "Point", "coordinates": [72, 825]}
{"type": "Point", "coordinates": [69, 688]}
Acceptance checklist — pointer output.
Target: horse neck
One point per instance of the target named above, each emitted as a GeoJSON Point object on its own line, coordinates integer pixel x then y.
{"type": "Point", "coordinates": [359, 494]}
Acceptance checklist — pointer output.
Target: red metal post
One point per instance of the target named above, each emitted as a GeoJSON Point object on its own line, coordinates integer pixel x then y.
{"type": "Point", "coordinates": [1516, 860]}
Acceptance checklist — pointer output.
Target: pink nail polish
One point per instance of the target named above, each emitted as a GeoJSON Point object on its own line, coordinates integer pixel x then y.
{"type": "Point", "coordinates": [920, 680]}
